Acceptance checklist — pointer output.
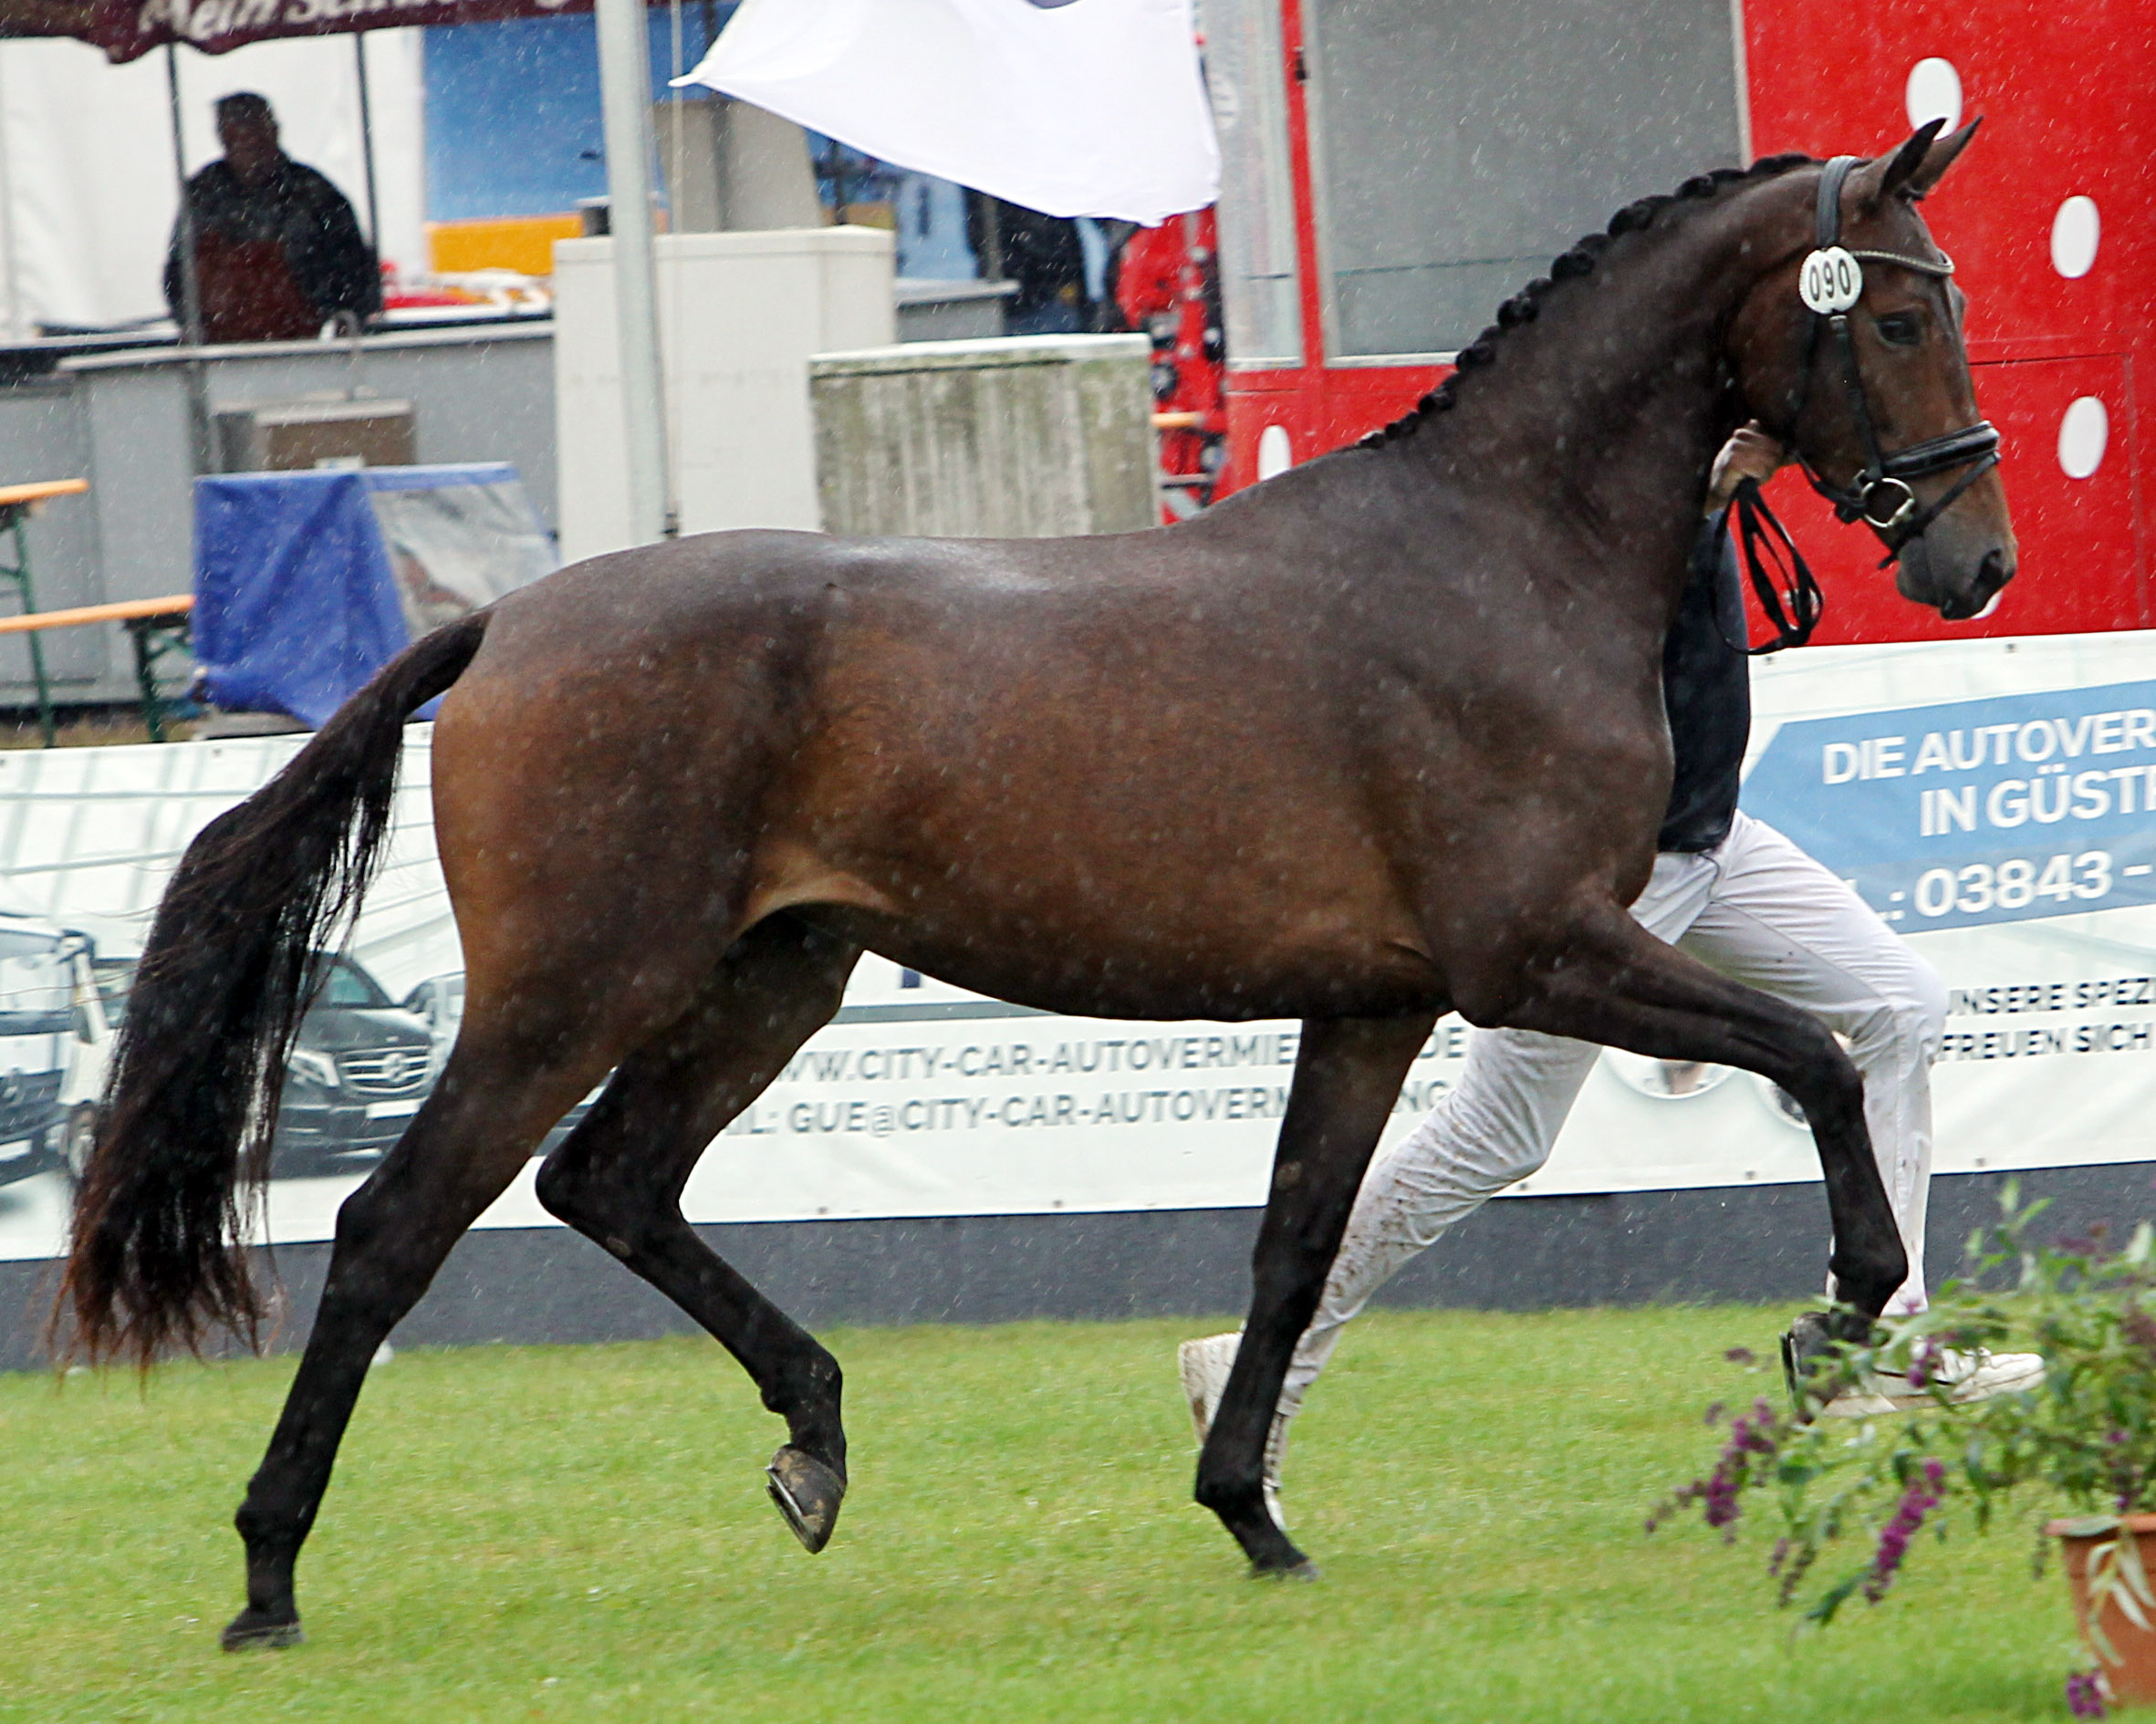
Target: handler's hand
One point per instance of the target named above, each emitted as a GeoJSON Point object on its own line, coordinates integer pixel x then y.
{"type": "Point", "coordinates": [1750, 453]}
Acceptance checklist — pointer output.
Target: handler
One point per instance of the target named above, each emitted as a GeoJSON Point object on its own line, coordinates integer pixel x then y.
{"type": "Point", "coordinates": [1738, 896]}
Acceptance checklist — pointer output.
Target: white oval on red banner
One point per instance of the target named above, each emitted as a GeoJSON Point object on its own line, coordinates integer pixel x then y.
{"type": "Point", "coordinates": [2074, 232]}
{"type": "Point", "coordinates": [1274, 455]}
{"type": "Point", "coordinates": [1830, 280]}
{"type": "Point", "coordinates": [1933, 92]}
{"type": "Point", "coordinates": [2083, 431]}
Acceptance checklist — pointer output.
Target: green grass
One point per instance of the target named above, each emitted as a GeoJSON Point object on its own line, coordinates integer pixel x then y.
{"type": "Point", "coordinates": [580, 1532]}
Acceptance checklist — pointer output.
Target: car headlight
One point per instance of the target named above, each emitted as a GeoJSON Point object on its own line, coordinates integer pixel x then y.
{"type": "Point", "coordinates": [316, 1068]}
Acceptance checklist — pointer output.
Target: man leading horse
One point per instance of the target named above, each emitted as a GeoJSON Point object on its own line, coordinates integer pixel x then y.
{"type": "Point", "coordinates": [1741, 898]}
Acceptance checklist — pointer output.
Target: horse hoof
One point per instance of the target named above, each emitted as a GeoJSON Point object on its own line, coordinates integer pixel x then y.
{"type": "Point", "coordinates": [250, 1632]}
{"type": "Point", "coordinates": [1806, 1345]}
{"type": "Point", "coordinates": [1302, 1570]}
{"type": "Point", "coordinates": [807, 1494]}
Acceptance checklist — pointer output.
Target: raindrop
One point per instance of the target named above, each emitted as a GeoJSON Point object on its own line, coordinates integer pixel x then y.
{"type": "Point", "coordinates": [2083, 429]}
{"type": "Point", "coordinates": [2075, 231]}
{"type": "Point", "coordinates": [1933, 92]}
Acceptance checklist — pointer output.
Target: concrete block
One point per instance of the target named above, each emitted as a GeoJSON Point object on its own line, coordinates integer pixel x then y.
{"type": "Point", "coordinates": [1017, 437]}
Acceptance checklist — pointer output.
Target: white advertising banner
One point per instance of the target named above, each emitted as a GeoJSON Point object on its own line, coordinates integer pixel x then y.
{"type": "Point", "coordinates": [1991, 799]}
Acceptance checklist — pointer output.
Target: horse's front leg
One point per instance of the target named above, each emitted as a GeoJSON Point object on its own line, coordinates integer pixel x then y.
{"type": "Point", "coordinates": [1611, 981]}
{"type": "Point", "coordinates": [1347, 1077]}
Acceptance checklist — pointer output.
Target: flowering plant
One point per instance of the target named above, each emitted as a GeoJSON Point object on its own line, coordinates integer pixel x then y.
{"type": "Point", "coordinates": [2084, 1435]}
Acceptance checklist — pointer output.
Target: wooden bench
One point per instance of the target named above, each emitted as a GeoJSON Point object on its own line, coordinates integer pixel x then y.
{"type": "Point", "coordinates": [157, 626]}
{"type": "Point", "coordinates": [16, 502]}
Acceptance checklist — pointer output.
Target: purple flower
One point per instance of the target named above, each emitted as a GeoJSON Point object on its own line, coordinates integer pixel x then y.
{"type": "Point", "coordinates": [1750, 1434]}
{"type": "Point", "coordinates": [1923, 1362]}
{"type": "Point", "coordinates": [1917, 1500]}
{"type": "Point", "coordinates": [1792, 1575]}
{"type": "Point", "coordinates": [2085, 1695]}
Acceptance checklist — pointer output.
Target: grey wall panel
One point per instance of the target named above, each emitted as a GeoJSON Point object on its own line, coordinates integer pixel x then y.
{"type": "Point", "coordinates": [1459, 147]}
{"type": "Point", "coordinates": [141, 479]}
{"type": "Point", "coordinates": [43, 436]}
{"type": "Point", "coordinates": [121, 421]}
{"type": "Point", "coordinates": [475, 398]}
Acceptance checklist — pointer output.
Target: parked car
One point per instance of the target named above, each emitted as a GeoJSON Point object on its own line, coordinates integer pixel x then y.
{"type": "Point", "coordinates": [40, 1021]}
{"type": "Point", "coordinates": [100, 986]}
{"type": "Point", "coordinates": [440, 1000]}
{"type": "Point", "coordinates": [357, 1071]}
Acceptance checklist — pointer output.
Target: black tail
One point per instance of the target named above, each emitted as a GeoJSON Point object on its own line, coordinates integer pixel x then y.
{"type": "Point", "coordinates": [191, 1105]}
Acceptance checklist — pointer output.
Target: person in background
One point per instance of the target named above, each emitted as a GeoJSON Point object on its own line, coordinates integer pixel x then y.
{"type": "Point", "coordinates": [277, 251]}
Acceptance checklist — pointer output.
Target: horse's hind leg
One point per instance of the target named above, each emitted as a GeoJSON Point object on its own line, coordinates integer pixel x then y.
{"type": "Point", "coordinates": [491, 1109]}
{"type": "Point", "coordinates": [1347, 1075]}
{"type": "Point", "coordinates": [618, 1179]}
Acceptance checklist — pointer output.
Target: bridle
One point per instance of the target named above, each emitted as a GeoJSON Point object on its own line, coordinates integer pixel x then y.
{"type": "Point", "coordinates": [1830, 283]}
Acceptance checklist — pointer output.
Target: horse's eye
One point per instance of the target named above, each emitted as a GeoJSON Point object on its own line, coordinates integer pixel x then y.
{"type": "Point", "coordinates": [1901, 329]}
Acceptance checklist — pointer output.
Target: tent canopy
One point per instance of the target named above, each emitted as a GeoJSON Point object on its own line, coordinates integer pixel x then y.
{"type": "Point", "coordinates": [127, 30]}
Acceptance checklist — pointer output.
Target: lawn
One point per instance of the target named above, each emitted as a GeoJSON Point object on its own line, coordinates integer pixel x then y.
{"type": "Point", "coordinates": [580, 1532]}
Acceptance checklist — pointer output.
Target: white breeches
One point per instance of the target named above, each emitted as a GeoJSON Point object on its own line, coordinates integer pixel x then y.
{"type": "Point", "coordinates": [1761, 912]}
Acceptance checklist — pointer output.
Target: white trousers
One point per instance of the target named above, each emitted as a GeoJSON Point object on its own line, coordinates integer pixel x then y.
{"type": "Point", "coordinates": [1761, 912]}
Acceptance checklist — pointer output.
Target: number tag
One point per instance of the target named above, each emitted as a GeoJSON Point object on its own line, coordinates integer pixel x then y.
{"type": "Point", "coordinates": [1832, 280]}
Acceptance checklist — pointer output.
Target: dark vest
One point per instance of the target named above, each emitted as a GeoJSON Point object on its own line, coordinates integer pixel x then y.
{"type": "Point", "coordinates": [1707, 693]}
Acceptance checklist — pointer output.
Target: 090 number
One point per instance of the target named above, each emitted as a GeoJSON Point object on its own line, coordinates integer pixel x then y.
{"type": "Point", "coordinates": [2014, 885]}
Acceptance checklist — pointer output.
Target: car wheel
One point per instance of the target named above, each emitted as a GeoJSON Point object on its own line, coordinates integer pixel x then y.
{"type": "Point", "coordinates": [78, 1138]}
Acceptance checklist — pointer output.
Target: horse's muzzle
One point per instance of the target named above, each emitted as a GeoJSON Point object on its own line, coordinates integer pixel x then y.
{"type": "Point", "coordinates": [1991, 576]}
{"type": "Point", "coordinates": [1930, 573]}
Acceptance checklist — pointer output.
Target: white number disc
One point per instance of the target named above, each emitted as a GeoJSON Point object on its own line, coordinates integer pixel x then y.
{"type": "Point", "coordinates": [1831, 280]}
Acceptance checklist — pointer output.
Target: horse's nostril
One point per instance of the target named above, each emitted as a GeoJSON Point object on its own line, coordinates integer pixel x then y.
{"type": "Point", "coordinates": [1992, 575]}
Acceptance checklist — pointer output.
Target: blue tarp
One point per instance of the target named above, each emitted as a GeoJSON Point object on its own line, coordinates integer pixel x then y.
{"type": "Point", "coordinates": [299, 596]}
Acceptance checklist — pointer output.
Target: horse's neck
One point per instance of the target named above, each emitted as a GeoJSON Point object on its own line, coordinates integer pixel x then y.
{"type": "Point", "coordinates": [1612, 403]}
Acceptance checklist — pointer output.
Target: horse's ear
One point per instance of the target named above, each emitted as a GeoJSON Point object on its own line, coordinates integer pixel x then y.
{"type": "Point", "coordinates": [1916, 168]}
{"type": "Point", "coordinates": [1934, 160]}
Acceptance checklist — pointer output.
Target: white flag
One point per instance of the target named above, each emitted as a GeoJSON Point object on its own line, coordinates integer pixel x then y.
{"type": "Point", "coordinates": [1070, 106]}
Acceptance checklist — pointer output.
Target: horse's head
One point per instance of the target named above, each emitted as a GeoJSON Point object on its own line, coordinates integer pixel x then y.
{"type": "Point", "coordinates": [1852, 350]}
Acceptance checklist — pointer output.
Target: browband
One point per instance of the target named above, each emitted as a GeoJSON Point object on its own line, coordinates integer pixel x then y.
{"type": "Point", "coordinates": [1827, 227]}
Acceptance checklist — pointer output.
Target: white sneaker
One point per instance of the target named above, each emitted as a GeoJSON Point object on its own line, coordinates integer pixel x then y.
{"type": "Point", "coordinates": [1204, 1365]}
{"type": "Point", "coordinates": [1967, 1376]}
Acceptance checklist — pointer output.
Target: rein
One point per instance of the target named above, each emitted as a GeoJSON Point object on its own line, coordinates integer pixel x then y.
{"type": "Point", "coordinates": [1794, 603]}
{"type": "Point", "coordinates": [1831, 282]}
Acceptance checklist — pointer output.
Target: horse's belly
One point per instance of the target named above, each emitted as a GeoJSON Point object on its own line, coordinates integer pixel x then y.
{"type": "Point", "coordinates": [1166, 970]}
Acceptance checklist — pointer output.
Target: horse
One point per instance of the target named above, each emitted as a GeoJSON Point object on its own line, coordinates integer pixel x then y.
{"type": "Point", "coordinates": [1376, 740]}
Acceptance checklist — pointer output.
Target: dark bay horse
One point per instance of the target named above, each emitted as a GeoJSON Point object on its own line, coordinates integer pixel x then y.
{"type": "Point", "coordinates": [1378, 738]}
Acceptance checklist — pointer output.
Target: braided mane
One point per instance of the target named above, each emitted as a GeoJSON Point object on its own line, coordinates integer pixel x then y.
{"type": "Point", "coordinates": [1525, 306]}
